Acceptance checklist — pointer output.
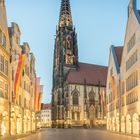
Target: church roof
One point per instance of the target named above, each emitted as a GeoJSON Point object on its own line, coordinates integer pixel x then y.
{"type": "Point", "coordinates": [118, 51]}
{"type": "Point", "coordinates": [139, 12]}
{"type": "Point", "coordinates": [92, 74]}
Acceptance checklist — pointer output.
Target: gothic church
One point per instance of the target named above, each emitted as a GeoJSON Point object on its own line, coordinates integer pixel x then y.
{"type": "Point", "coordinates": [79, 89]}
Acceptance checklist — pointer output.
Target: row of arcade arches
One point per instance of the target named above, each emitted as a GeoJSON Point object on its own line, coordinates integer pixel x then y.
{"type": "Point", "coordinates": [126, 124]}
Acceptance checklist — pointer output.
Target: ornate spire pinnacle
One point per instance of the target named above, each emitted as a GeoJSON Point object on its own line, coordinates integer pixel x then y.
{"type": "Point", "coordinates": [65, 18]}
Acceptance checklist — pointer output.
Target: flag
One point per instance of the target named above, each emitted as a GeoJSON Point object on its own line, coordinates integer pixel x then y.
{"type": "Point", "coordinates": [40, 96]}
{"type": "Point", "coordinates": [38, 103]}
{"type": "Point", "coordinates": [20, 67]}
{"type": "Point", "coordinates": [35, 94]}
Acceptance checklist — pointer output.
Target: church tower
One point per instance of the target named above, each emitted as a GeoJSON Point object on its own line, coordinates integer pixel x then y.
{"type": "Point", "coordinates": [65, 57]}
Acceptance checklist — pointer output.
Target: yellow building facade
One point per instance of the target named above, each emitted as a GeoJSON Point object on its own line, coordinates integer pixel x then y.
{"type": "Point", "coordinates": [46, 115]}
{"type": "Point", "coordinates": [18, 92]}
{"type": "Point", "coordinates": [22, 104]}
{"type": "Point", "coordinates": [4, 72]}
{"type": "Point", "coordinates": [126, 118]}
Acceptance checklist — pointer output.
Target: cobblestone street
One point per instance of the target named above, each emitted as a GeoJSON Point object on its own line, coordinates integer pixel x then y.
{"type": "Point", "coordinates": [77, 134]}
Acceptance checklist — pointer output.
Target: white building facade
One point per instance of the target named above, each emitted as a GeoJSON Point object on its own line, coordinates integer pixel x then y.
{"type": "Point", "coordinates": [46, 115]}
{"type": "Point", "coordinates": [129, 98]}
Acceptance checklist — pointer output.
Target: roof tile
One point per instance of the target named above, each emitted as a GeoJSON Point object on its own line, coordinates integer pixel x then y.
{"type": "Point", "coordinates": [93, 74]}
{"type": "Point", "coordinates": [46, 106]}
{"type": "Point", "coordinates": [118, 51]}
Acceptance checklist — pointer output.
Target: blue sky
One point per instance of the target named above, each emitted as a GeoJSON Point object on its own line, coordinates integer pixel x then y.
{"type": "Point", "coordinates": [99, 24]}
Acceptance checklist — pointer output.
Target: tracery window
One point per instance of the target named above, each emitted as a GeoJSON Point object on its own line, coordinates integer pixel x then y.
{"type": "Point", "coordinates": [91, 98]}
{"type": "Point", "coordinates": [75, 98]}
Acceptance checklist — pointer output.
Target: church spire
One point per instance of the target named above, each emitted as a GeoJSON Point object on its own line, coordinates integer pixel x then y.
{"type": "Point", "coordinates": [65, 18]}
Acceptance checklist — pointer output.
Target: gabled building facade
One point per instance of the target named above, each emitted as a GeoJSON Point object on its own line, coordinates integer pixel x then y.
{"type": "Point", "coordinates": [20, 98]}
{"type": "Point", "coordinates": [113, 89]}
{"type": "Point", "coordinates": [129, 114]}
{"type": "Point", "coordinates": [130, 73]}
{"type": "Point", "coordinates": [22, 84]}
{"type": "Point", "coordinates": [5, 96]}
{"type": "Point", "coordinates": [46, 115]}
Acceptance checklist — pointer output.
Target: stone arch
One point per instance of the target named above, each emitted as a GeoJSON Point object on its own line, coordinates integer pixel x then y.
{"type": "Point", "coordinates": [33, 122]}
{"type": "Point", "coordinates": [13, 122]}
{"type": "Point", "coordinates": [109, 125]}
{"type": "Point", "coordinates": [135, 123]}
{"type": "Point", "coordinates": [25, 123]}
{"type": "Point", "coordinates": [92, 115]}
{"type": "Point", "coordinates": [29, 122]}
{"type": "Point", "coordinates": [123, 124]}
{"type": "Point", "coordinates": [75, 98]}
{"type": "Point", "coordinates": [19, 123]}
{"type": "Point", "coordinates": [117, 123]}
{"type": "Point", "coordinates": [4, 123]}
{"type": "Point", "coordinates": [113, 124]}
{"type": "Point", "coordinates": [128, 124]}
{"type": "Point", "coordinates": [75, 90]}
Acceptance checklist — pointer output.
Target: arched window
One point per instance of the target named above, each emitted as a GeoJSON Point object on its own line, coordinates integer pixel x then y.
{"type": "Point", "coordinates": [75, 98]}
{"type": "Point", "coordinates": [91, 98]}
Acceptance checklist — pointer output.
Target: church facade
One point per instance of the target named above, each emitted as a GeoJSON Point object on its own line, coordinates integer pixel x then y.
{"type": "Point", "coordinates": [79, 89]}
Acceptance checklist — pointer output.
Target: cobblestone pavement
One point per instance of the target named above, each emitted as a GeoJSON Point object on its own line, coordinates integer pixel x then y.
{"type": "Point", "coordinates": [77, 134]}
